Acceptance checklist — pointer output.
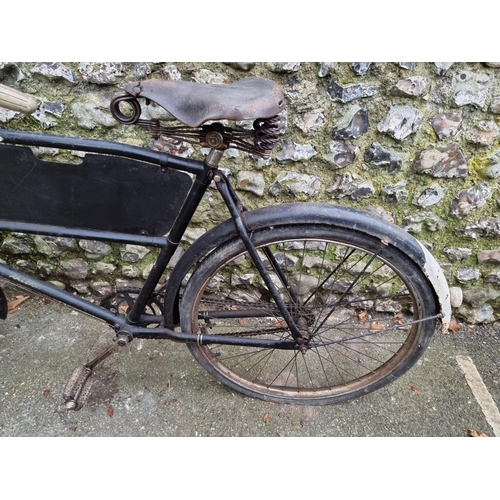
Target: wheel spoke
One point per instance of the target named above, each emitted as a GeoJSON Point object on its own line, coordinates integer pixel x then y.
{"type": "Point", "coordinates": [364, 310]}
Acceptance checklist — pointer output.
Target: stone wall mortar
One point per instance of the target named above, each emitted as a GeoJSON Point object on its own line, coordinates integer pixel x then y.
{"type": "Point", "coordinates": [418, 143]}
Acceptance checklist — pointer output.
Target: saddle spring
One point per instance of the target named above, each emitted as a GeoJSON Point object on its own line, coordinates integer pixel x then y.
{"type": "Point", "coordinates": [260, 140]}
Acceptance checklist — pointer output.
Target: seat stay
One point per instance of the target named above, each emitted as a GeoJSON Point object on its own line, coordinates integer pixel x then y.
{"type": "Point", "coordinates": [236, 214]}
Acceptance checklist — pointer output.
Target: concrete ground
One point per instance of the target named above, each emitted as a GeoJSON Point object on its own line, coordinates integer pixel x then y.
{"type": "Point", "coordinates": [155, 388]}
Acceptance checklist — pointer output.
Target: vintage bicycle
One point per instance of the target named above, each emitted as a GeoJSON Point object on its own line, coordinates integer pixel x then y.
{"type": "Point", "coordinates": [303, 303]}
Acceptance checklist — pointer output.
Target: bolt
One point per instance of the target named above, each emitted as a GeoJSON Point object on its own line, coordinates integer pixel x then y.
{"type": "Point", "coordinates": [123, 339]}
{"type": "Point", "coordinates": [70, 405]}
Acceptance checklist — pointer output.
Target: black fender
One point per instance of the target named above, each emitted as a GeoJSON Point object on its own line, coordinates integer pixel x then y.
{"type": "Point", "coordinates": [311, 213]}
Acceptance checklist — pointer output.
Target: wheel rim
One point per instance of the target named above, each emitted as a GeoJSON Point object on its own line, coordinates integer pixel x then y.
{"type": "Point", "coordinates": [374, 332]}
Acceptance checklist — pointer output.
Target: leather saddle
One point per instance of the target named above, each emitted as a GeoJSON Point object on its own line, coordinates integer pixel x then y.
{"type": "Point", "coordinates": [195, 103]}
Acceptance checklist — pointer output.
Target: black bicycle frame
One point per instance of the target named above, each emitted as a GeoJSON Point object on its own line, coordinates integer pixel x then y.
{"type": "Point", "coordinates": [131, 325]}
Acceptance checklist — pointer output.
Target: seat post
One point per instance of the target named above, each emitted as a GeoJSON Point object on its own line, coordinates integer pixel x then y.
{"type": "Point", "coordinates": [213, 158]}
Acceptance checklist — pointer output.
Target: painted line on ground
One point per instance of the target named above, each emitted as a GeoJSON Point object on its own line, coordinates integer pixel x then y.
{"type": "Point", "coordinates": [480, 392]}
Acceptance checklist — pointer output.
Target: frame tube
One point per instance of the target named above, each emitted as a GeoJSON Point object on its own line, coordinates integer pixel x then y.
{"type": "Point", "coordinates": [104, 147]}
{"type": "Point", "coordinates": [39, 286]}
{"type": "Point", "coordinates": [231, 202]}
{"type": "Point", "coordinates": [23, 227]}
{"type": "Point", "coordinates": [181, 223]}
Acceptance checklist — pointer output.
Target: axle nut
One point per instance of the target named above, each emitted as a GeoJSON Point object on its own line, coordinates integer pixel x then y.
{"type": "Point", "coordinates": [123, 339]}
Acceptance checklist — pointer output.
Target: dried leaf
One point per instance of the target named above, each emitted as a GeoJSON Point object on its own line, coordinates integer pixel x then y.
{"type": "Point", "coordinates": [265, 418]}
{"type": "Point", "coordinates": [362, 316]}
{"type": "Point", "coordinates": [46, 393]}
{"type": "Point", "coordinates": [414, 388]}
{"type": "Point", "coordinates": [172, 402]}
{"type": "Point", "coordinates": [398, 320]}
{"type": "Point", "coordinates": [110, 411]}
{"type": "Point", "coordinates": [376, 327]}
{"type": "Point", "coordinates": [475, 434]}
{"type": "Point", "coordinates": [13, 305]}
{"type": "Point", "coordinates": [454, 325]}
{"type": "Point", "coordinates": [281, 435]}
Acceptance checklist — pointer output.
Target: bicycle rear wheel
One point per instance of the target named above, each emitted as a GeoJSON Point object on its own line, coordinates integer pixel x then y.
{"type": "Point", "coordinates": [367, 311]}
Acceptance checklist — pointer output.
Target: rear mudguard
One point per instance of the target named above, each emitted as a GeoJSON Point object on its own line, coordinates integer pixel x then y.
{"type": "Point", "coordinates": [311, 213]}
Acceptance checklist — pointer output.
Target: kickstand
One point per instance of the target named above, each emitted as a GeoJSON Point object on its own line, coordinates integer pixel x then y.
{"type": "Point", "coordinates": [78, 387]}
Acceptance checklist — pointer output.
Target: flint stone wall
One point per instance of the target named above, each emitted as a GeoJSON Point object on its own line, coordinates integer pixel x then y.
{"type": "Point", "coordinates": [418, 143]}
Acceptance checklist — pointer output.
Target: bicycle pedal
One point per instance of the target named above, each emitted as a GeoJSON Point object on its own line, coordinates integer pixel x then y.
{"type": "Point", "coordinates": [78, 388]}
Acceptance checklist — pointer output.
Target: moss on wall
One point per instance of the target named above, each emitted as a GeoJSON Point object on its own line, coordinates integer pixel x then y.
{"type": "Point", "coordinates": [73, 100]}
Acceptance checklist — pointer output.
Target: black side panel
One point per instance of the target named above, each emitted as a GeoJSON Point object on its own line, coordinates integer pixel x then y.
{"type": "Point", "coordinates": [3, 305]}
{"type": "Point", "coordinates": [102, 193]}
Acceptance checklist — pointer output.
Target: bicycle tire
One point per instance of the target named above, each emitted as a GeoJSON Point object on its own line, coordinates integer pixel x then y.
{"type": "Point", "coordinates": [369, 312]}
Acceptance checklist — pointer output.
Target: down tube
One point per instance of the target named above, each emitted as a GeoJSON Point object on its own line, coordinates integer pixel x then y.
{"type": "Point", "coordinates": [38, 286]}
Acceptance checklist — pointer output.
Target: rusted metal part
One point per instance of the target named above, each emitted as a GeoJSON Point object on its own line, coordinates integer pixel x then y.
{"type": "Point", "coordinates": [195, 103]}
{"type": "Point", "coordinates": [134, 109]}
{"type": "Point", "coordinates": [260, 140]}
{"type": "Point", "coordinates": [267, 133]}
{"type": "Point", "coordinates": [213, 158]}
{"type": "Point", "coordinates": [214, 140]}
{"type": "Point", "coordinates": [74, 390]}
